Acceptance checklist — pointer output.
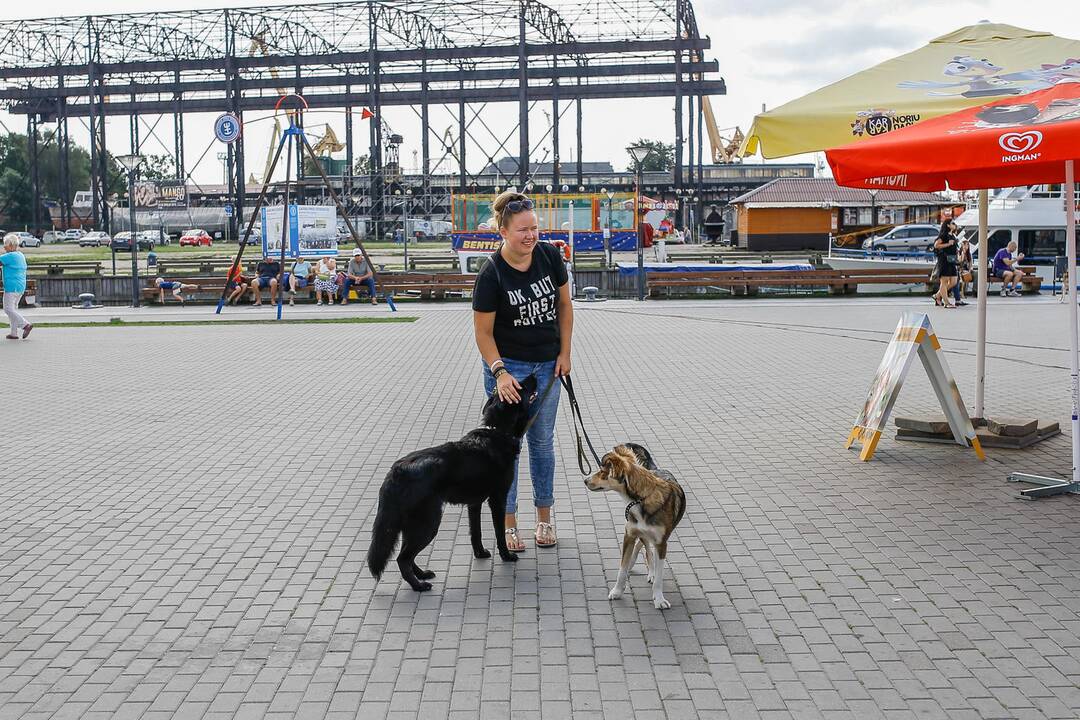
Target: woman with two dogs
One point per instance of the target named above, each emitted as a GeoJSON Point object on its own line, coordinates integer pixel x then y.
{"type": "Point", "coordinates": [523, 320]}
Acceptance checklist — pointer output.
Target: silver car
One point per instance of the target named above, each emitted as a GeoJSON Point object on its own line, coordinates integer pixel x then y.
{"type": "Point", "coordinates": [28, 240]}
{"type": "Point", "coordinates": [904, 238]}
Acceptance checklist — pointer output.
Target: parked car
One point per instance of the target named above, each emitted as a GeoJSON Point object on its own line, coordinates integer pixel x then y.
{"type": "Point", "coordinates": [75, 233]}
{"type": "Point", "coordinates": [121, 242]}
{"type": "Point", "coordinates": [54, 236]}
{"type": "Point", "coordinates": [94, 239]}
{"type": "Point", "coordinates": [195, 238]}
{"type": "Point", "coordinates": [909, 238]}
{"type": "Point", "coordinates": [155, 236]}
{"type": "Point", "coordinates": [28, 240]}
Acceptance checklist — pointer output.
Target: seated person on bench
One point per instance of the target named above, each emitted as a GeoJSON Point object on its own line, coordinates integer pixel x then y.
{"type": "Point", "coordinates": [358, 273]}
{"type": "Point", "coordinates": [236, 284]}
{"type": "Point", "coordinates": [268, 271]}
{"type": "Point", "coordinates": [299, 277]}
{"type": "Point", "coordinates": [1006, 263]}
{"type": "Point", "coordinates": [176, 286]}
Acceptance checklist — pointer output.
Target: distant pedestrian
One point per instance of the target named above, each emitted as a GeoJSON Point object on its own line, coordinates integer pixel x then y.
{"type": "Point", "coordinates": [14, 264]}
{"type": "Point", "coordinates": [945, 249]}
{"type": "Point", "coordinates": [963, 270]}
{"type": "Point", "coordinates": [178, 288]}
{"type": "Point", "coordinates": [268, 271]}
{"type": "Point", "coordinates": [326, 280]}
{"type": "Point", "coordinates": [1007, 267]}
{"type": "Point", "coordinates": [359, 273]}
{"type": "Point", "coordinates": [236, 283]}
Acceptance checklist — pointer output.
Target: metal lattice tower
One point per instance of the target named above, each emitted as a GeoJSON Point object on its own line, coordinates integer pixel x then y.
{"type": "Point", "coordinates": [369, 53]}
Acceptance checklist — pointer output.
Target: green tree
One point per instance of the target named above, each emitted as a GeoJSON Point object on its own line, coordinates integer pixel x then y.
{"type": "Point", "coordinates": [158, 167]}
{"type": "Point", "coordinates": [16, 179]}
{"type": "Point", "coordinates": [16, 198]}
{"type": "Point", "coordinates": [661, 158]}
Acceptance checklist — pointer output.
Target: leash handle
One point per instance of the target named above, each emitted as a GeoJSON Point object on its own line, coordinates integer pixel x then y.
{"type": "Point", "coordinates": [583, 461]}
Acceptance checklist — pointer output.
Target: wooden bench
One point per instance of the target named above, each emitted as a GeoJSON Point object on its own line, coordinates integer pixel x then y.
{"type": "Point", "coordinates": [433, 260]}
{"type": "Point", "coordinates": [1031, 283]}
{"type": "Point", "coordinates": [748, 282]}
{"type": "Point", "coordinates": [426, 285]}
{"type": "Point", "coordinates": [29, 297]}
{"type": "Point", "coordinates": [59, 267]}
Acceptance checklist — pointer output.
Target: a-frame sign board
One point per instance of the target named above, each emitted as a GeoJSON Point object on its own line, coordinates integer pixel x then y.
{"type": "Point", "coordinates": [914, 336]}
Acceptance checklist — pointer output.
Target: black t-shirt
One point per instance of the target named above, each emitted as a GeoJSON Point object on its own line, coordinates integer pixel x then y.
{"type": "Point", "coordinates": [525, 303]}
{"type": "Point", "coordinates": [268, 269]}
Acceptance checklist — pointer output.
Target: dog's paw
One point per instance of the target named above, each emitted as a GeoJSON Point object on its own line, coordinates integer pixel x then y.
{"type": "Point", "coordinates": [649, 578]}
{"type": "Point", "coordinates": [508, 556]}
{"type": "Point", "coordinates": [615, 594]}
{"type": "Point", "coordinates": [661, 603]}
{"type": "Point", "coordinates": [422, 587]}
{"type": "Point", "coordinates": [426, 575]}
{"type": "Point", "coordinates": [482, 554]}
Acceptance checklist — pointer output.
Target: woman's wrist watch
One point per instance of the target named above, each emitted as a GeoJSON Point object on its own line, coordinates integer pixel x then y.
{"type": "Point", "coordinates": [499, 371]}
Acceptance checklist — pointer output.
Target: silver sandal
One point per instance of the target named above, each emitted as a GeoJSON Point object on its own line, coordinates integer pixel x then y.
{"type": "Point", "coordinates": [543, 528]}
{"type": "Point", "coordinates": [514, 543]}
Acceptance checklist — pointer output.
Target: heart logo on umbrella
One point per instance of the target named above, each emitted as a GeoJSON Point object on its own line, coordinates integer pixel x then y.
{"type": "Point", "coordinates": [1020, 142]}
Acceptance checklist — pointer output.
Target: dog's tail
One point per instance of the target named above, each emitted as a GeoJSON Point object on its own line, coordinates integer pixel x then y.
{"type": "Point", "coordinates": [384, 537]}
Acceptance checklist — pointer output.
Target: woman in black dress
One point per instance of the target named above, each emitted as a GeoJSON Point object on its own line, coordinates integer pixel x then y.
{"type": "Point", "coordinates": [945, 249]}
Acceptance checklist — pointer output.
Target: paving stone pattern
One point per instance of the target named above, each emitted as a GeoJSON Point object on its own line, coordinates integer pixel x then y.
{"type": "Point", "coordinates": [184, 514]}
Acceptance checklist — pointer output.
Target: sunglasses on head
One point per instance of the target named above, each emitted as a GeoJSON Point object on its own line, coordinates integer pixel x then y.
{"type": "Point", "coordinates": [516, 206]}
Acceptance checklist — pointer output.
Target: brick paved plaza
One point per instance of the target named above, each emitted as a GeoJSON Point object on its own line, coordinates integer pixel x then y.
{"type": "Point", "coordinates": [184, 513]}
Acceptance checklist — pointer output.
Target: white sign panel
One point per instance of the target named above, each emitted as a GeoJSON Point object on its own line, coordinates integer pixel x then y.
{"type": "Point", "coordinates": [312, 230]}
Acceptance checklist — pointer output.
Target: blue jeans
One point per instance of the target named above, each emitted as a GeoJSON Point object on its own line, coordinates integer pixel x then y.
{"type": "Point", "coordinates": [368, 282]}
{"type": "Point", "coordinates": [541, 435]}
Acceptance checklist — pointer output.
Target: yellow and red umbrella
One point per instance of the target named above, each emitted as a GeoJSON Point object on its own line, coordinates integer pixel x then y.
{"type": "Point", "coordinates": [964, 68]}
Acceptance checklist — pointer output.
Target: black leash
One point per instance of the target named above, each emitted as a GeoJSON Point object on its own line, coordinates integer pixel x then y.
{"type": "Point", "coordinates": [582, 460]}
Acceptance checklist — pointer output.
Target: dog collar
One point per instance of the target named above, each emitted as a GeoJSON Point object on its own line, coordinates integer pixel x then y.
{"type": "Point", "coordinates": [629, 507]}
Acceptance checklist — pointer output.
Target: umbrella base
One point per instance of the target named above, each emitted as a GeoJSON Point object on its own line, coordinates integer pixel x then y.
{"type": "Point", "coordinates": [1047, 486]}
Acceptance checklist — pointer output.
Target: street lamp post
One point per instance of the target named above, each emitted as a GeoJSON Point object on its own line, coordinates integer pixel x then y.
{"type": "Point", "coordinates": [639, 153]}
{"type": "Point", "coordinates": [405, 223]}
{"type": "Point", "coordinates": [873, 208]}
{"type": "Point", "coordinates": [607, 237]}
{"type": "Point", "coordinates": [131, 164]}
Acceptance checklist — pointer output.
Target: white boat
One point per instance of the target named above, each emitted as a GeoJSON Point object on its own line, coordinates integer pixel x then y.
{"type": "Point", "coordinates": [840, 259]}
{"type": "Point", "coordinates": [1034, 217]}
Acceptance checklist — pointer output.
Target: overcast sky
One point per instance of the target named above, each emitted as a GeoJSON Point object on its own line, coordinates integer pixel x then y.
{"type": "Point", "coordinates": [769, 52]}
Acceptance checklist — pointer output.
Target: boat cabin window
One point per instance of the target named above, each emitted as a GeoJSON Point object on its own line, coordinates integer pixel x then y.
{"type": "Point", "coordinates": [997, 240]}
{"type": "Point", "coordinates": [1044, 243]}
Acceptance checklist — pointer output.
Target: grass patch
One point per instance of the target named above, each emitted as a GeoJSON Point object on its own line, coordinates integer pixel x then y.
{"type": "Point", "coordinates": [118, 322]}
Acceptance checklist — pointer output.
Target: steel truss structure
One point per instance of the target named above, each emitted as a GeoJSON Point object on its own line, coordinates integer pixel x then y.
{"type": "Point", "coordinates": [365, 53]}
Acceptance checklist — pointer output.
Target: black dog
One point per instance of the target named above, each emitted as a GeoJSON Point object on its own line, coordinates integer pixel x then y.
{"type": "Point", "coordinates": [469, 471]}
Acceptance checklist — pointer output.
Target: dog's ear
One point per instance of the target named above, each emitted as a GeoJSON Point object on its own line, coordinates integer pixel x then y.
{"type": "Point", "coordinates": [615, 462]}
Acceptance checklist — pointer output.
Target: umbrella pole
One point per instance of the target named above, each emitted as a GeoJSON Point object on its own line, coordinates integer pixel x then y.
{"type": "Point", "coordinates": [984, 290]}
{"type": "Point", "coordinates": [1074, 342]}
{"type": "Point", "coordinates": [1052, 486]}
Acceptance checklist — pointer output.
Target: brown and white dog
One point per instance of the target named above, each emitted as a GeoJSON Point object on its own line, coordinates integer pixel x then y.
{"type": "Point", "coordinates": [656, 504]}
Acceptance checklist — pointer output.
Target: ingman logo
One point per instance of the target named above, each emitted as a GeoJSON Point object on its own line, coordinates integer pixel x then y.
{"type": "Point", "coordinates": [1020, 145]}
